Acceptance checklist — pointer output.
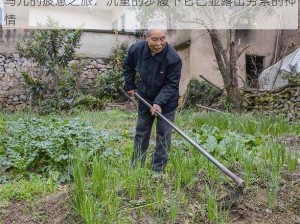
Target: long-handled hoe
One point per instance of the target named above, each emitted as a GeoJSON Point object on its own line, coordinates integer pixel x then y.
{"type": "Point", "coordinates": [238, 181]}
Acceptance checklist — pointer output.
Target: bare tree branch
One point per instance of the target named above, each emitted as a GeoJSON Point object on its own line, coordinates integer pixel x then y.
{"type": "Point", "coordinates": [210, 83]}
{"type": "Point", "coordinates": [241, 52]}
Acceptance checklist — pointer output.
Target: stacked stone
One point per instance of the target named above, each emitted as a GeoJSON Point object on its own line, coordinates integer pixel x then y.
{"type": "Point", "coordinates": [284, 102]}
{"type": "Point", "coordinates": [14, 92]}
{"type": "Point", "coordinates": [13, 101]}
{"type": "Point", "coordinates": [92, 68]}
{"type": "Point", "coordinates": [11, 68]}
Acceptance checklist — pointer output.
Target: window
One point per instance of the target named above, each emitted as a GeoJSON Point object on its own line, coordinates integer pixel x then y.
{"type": "Point", "coordinates": [254, 66]}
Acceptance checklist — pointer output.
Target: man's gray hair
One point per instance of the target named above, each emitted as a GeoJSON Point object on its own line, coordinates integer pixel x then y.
{"type": "Point", "coordinates": [155, 25]}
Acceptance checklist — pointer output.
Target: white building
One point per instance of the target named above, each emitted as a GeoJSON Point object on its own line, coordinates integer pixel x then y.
{"type": "Point", "coordinates": [86, 14]}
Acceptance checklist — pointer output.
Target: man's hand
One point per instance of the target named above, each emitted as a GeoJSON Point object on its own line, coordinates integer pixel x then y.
{"type": "Point", "coordinates": [131, 92]}
{"type": "Point", "coordinates": [155, 108]}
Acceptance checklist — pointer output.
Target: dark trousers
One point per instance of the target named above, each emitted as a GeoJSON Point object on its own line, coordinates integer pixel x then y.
{"type": "Point", "coordinates": [142, 138]}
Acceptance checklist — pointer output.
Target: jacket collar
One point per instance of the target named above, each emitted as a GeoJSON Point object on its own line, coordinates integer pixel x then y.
{"type": "Point", "coordinates": [160, 56]}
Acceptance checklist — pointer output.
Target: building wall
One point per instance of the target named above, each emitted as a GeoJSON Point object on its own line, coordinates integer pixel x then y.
{"type": "Point", "coordinates": [93, 43]}
{"type": "Point", "coordinates": [130, 23]}
{"type": "Point", "coordinates": [68, 17]}
{"type": "Point", "coordinates": [98, 45]}
{"type": "Point", "coordinates": [20, 12]}
{"type": "Point", "coordinates": [290, 41]}
{"type": "Point", "coordinates": [9, 39]}
{"type": "Point", "coordinates": [185, 72]}
{"type": "Point", "coordinates": [96, 17]}
{"type": "Point", "coordinates": [72, 18]}
{"type": "Point", "coordinates": [261, 43]}
{"type": "Point", "coordinates": [202, 61]}
{"type": "Point", "coordinates": [202, 58]}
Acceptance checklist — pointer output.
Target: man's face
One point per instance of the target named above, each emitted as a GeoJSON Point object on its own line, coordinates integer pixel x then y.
{"type": "Point", "coordinates": [157, 40]}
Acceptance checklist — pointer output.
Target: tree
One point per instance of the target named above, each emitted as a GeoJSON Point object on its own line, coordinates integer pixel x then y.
{"type": "Point", "coordinates": [227, 55]}
{"type": "Point", "coordinates": [52, 47]}
{"type": "Point", "coordinates": [219, 25]}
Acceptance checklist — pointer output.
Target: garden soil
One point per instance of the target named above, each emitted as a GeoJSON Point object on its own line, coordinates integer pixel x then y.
{"type": "Point", "coordinates": [250, 208]}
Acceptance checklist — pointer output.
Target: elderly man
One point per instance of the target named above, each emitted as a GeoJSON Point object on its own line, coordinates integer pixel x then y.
{"type": "Point", "coordinates": [159, 68]}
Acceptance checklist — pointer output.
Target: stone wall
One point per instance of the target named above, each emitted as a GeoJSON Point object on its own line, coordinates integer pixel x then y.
{"type": "Point", "coordinates": [285, 101]}
{"type": "Point", "coordinates": [15, 93]}
{"type": "Point", "coordinates": [92, 68]}
{"type": "Point", "coordinates": [13, 101]}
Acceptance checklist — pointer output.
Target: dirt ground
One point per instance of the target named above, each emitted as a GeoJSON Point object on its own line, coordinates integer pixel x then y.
{"type": "Point", "coordinates": [251, 207]}
{"type": "Point", "coordinates": [54, 209]}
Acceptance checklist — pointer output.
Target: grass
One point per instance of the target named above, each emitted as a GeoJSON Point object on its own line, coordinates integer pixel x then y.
{"type": "Point", "coordinates": [250, 124]}
{"type": "Point", "coordinates": [27, 189]}
{"type": "Point", "coordinates": [106, 189]}
{"type": "Point", "coordinates": [136, 192]}
{"type": "Point", "coordinates": [110, 120]}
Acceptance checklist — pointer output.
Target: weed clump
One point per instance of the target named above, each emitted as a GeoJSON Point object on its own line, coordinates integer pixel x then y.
{"type": "Point", "coordinates": [200, 92]}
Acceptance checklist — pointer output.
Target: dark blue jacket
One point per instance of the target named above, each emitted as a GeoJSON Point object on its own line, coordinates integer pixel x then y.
{"type": "Point", "coordinates": [159, 75]}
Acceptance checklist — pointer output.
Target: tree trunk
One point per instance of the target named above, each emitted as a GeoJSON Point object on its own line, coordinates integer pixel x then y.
{"type": "Point", "coordinates": [233, 93]}
{"type": "Point", "coordinates": [227, 64]}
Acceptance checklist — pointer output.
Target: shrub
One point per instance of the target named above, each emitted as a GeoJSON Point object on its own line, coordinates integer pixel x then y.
{"type": "Point", "coordinates": [109, 83]}
{"type": "Point", "coordinates": [201, 93]}
{"type": "Point", "coordinates": [48, 106]}
{"type": "Point", "coordinates": [52, 47]}
{"type": "Point", "coordinates": [88, 102]}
